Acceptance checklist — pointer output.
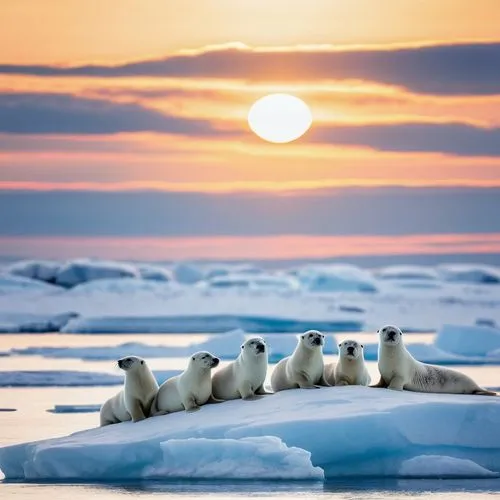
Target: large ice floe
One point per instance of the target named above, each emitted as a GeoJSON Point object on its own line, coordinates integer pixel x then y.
{"type": "Point", "coordinates": [345, 432]}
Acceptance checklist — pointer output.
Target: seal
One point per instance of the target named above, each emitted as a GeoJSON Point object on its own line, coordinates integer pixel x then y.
{"type": "Point", "coordinates": [400, 370]}
{"type": "Point", "coordinates": [351, 367]}
{"type": "Point", "coordinates": [244, 377]}
{"type": "Point", "coordinates": [134, 401]}
{"type": "Point", "coordinates": [304, 368]}
{"type": "Point", "coordinates": [189, 390]}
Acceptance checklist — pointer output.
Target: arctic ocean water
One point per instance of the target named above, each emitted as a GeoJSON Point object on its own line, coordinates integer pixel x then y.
{"type": "Point", "coordinates": [32, 421]}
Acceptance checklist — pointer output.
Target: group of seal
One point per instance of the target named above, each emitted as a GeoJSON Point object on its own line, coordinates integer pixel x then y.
{"type": "Point", "coordinates": [244, 378]}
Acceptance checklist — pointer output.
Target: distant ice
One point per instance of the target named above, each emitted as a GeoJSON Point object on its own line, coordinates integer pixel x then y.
{"type": "Point", "coordinates": [213, 323]}
{"type": "Point", "coordinates": [468, 340]}
{"type": "Point", "coordinates": [43, 270]}
{"type": "Point", "coordinates": [336, 278]}
{"type": "Point", "coordinates": [225, 346]}
{"type": "Point", "coordinates": [252, 282]}
{"type": "Point", "coordinates": [443, 467]}
{"type": "Point", "coordinates": [69, 378]}
{"type": "Point", "coordinates": [187, 273]}
{"type": "Point", "coordinates": [417, 273]}
{"type": "Point", "coordinates": [349, 432]}
{"type": "Point", "coordinates": [470, 273]}
{"type": "Point", "coordinates": [33, 323]}
{"type": "Point", "coordinates": [60, 378]}
{"type": "Point", "coordinates": [262, 458]}
{"type": "Point", "coordinates": [118, 297]}
{"type": "Point", "coordinates": [155, 273]}
{"type": "Point", "coordinates": [429, 353]}
{"type": "Point", "coordinates": [75, 408]}
{"type": "Point", "coordinates": [122, 287]}
{"type": "Point", "coordinates": [10, 284]}
{"type": "Point", "coordinates": [80, 271]}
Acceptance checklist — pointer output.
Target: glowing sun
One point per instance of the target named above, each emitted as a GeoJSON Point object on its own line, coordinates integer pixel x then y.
{"type": "Point", "coordinates": [279, 118]}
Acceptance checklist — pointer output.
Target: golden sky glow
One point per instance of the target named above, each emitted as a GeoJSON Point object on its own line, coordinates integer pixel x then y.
{"type": "Point", "coordinates": [201, 141]}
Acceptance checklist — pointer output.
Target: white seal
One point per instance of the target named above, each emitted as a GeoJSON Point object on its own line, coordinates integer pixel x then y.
{"type": "Point", "coordinates": [134, 401]}
{"type": "Point", "coordinates": [350, 368]}
{"type": "Point", "coordinates": [400, 370]}
{"type": "Point", "coordinates": [244, 377]}
{"type": "Point", "coordinates": [189, 390]}
{"type": "Point", "coordinates": [304, 368]}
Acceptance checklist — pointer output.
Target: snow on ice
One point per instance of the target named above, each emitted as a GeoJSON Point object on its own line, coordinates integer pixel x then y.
{"type": "Point", "coordinates": [348, 432]}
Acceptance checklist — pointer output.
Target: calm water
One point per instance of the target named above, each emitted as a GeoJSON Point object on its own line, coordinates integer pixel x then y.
{"type": "Point", "coordinates": [31, 421]}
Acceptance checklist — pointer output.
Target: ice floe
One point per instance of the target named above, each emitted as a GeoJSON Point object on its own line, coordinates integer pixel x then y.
{"type": "Point", "coordinates": [80, 271]}
{"type": "Point", "coordinates": [464, 340]}
{"type": "Point", "coordinates": [443, 467]}
{"type": "Point", "coordinates": [348, 432]}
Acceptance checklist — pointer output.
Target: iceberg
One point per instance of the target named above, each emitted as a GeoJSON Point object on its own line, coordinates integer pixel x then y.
{"type": "Point", "coordinates": [336, 278]}
{"type": "Point", "coordinates": [348, 432]}
{"type": "Point", "coordinates": [468, 340]}
{"type": "Point", "coordinates": [80, 271]}
{"type": "Point", "coordinates": [263, 457]}
{"type": "Point", "coordinates": [213, 323]}
{"type": "Point", "coordinates": [10, 284]}
{"type": "Point", "coordinates": [42, 270]}
{"type": "Point", "coordinates": [470, 273]}
{"type": "Point", "coordinates": [33, 323]}
{"type": "Point", "coordinates": [155, 273]}
{"type": "Point", "coordinates": [426, 466]}
{"type": "Point", "coordinates": [419, 273]}
{"type": "Point", "coordinates": [252, 282]}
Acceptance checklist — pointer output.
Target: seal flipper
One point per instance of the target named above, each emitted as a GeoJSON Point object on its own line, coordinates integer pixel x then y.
{"type": "Point", "coordinates": [262, 392]}
{"type": "Point", "coordinates": [322, 381]}
{"type": "Point", "coordinates": [213, 400]}
{"type": "Point", "coordinates": [381, 383]}
{"type": "Point", "coordinates": [484, 392]}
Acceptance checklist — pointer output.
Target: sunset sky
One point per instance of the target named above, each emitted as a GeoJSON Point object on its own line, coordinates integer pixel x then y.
{"type": "Point", "coordinates": [123, 128]}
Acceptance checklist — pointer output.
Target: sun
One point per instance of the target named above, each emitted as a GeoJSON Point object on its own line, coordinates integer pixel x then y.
{"type": "Point", "coordinates": [279, 118]}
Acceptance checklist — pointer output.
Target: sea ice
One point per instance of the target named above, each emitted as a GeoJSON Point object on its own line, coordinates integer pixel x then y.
{"type": "Point", "coordinates": [429, 353]}
{"type": "Point", "coordinates": [57, 378]}
{"type": "Point", "coordinates": [263, 457]}
{"type": "Point", "coordinates": [442, 467]}
{"type": "Point", "coordinates": [43, 270]}
{"type": "Point", "coordinates": [348, 431]}
{"type": "Point", "coordinates": [80, 271]}
{"type": "Point", "coordinates": [155, 273]}
{"type": "Point", "coordinates": [468, 340]}
{"type": "Point", "coordinates": [69, 378]}
{"type": "Point", "coordinates": [418, 273]}
{"type": "Point", "coordinates": [336, 278]}
{"type": "Point", "coordinates": [224, 346]}
{"type": "Point", "coordinates": [470, 273]}
{"type": "Point", "coordinates": [75, 409]}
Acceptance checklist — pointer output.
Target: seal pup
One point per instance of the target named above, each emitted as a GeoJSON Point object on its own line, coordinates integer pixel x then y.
{"type": "Point", "coordinates": [350, 368]}
{"type": "Point", "coordinates": [304, 368]}
{"type": "Point", "coordinates": [134, 401]}
{"type": "Point", "coordinates": [189, 390]}
{"type": "Point", "coordinates": [244, 377]}
{"type": "Point", "coordinates": [400, 370]}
